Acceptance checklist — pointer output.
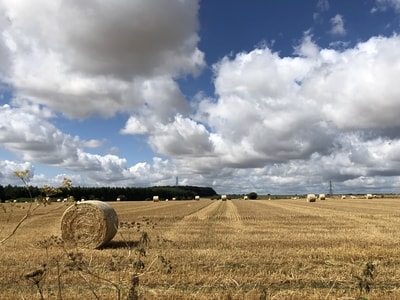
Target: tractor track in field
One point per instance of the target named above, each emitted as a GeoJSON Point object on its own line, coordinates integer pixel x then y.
{"type": "Point", "coordinates": [220, 210]}
{"type": "Point", "coordinates": [219, 216]}
{"type": "Point", "coordinates": [205, 212]}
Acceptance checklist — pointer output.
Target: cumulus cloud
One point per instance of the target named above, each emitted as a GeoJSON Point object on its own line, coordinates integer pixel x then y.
{"type": "Point", "coordinates": [182, 137]}
{"type": "Point", "coordinates": [83, 59]}
{"type": "Point", "coordinates": [34, 139]}
{"type": "Point", "coordinates": [322, 115]}
{"type": "Point", "coordinates": [356, 88]}
{"type": "Point", "coordinates": [161, 100]}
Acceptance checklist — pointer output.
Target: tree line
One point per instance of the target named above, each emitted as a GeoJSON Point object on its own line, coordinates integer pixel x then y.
{"type": "Point", "coordinates": [12, 192]}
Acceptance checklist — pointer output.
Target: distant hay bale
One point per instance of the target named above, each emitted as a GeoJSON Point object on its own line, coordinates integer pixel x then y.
{"type": "Point", "coordinates": [223, 197]}
{"type": "Point", "coordinates": [368, 196]}
{"type": "Point", "coordinates": [90, 224]}
{"type": "Point", "coordinates": [197, 198]}
{"type": "Point", "coordinates": [311, 198]}
{"type": "Point", "coordinates": [343, 197]}
{"type": "Point", "coordinates": [156, 198]}
{"type": "Point", "coordinates": [321, 197]}
{"type": "Point", "coordinates": [246, 197]}
{"type": "Point", "coordinates": [353, 197]}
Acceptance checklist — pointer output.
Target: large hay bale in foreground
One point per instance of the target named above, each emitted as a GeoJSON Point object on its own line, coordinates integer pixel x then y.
{"type": "Point", "coordinates": [90, 224]}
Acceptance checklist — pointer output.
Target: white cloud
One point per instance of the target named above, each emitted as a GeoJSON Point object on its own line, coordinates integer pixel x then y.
{"type": "Point", "coordinates": [302, 125]}
{"type": "Point", "coordinates": [386, 4]}
{"type": "Point", "coordinates": [337, 23]}
{"type": "Point", "coordinates": [183, 137]}
{"type": "Point", "coordinates": [34, 139]}
{"type": "Point", "coordinates": [323, 5]}
{"type": "Point", "coordinates": [357, 89]}
{"type": "Point", "coordinates": [7, 169]}
{"type": "Point", "coordinates": [301, 120]}
{"type": "Point", "coordinates": [161, 100]}
{"type": "Point", "coordinates": [84, 59]}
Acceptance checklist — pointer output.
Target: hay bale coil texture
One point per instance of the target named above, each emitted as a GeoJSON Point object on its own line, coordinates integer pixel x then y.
{"type": "Point", "coordinates": [90, 224]}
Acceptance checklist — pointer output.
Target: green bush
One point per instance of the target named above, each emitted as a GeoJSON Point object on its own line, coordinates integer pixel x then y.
{"type": "Point", "coordinates": [252, 195]}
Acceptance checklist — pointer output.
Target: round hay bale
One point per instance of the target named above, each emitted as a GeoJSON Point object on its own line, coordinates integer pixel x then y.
{"type": "Point", "coordinates": [311, 198]}
{"type": "Point", "coordinates": [90, 224]}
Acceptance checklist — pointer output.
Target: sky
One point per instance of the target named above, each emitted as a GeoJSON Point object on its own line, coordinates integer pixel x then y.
{"type": "Point", "coordinates": [273, 97]}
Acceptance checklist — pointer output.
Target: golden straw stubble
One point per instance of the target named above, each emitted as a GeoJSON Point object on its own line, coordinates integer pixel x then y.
{"type": "Point", "coordinates": [90, 224]}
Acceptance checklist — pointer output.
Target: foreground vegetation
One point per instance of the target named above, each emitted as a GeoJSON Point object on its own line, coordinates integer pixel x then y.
{"type": "Point", "coordinates": [235, 249]}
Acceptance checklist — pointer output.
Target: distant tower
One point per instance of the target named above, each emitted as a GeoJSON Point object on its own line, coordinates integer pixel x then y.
{"type": "Point", "coordinates": [330, 187]}
{"type": "Point", "coordinates": [176, 181]}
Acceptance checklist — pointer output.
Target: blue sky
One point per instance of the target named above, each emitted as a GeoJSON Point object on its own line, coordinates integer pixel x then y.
{"type": "Point", "coordinates": [266, 96]}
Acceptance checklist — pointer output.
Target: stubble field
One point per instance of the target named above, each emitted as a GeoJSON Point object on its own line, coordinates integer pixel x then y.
{"type": "Point", "coordinates": [235, 249]}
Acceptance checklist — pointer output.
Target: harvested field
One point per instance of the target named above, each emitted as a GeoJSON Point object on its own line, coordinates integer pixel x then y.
{"type": "Point", "coordinates": [234, 249]}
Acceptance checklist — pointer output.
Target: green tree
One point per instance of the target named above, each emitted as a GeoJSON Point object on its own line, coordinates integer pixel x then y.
{"type": "Point", "coordinates": [252, 195]}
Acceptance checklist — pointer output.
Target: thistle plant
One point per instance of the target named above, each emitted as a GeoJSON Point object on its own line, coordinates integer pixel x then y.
{"type": "Point", "coordinates": [365, 280]}
{"type": "Point", "coordinates": [24, 176]}
{"type": "Point", "coordinates": [46, 190]}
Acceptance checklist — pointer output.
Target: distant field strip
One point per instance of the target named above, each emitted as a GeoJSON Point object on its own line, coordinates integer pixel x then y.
{"type": "Point", "coordinates": [231, 212]}
{"type": "Point", "coordinates": [224, 210]}
{"type": "Point", "coordinates": [206, 212]}
{"type": "Point", "coordinates": [160, 209]}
